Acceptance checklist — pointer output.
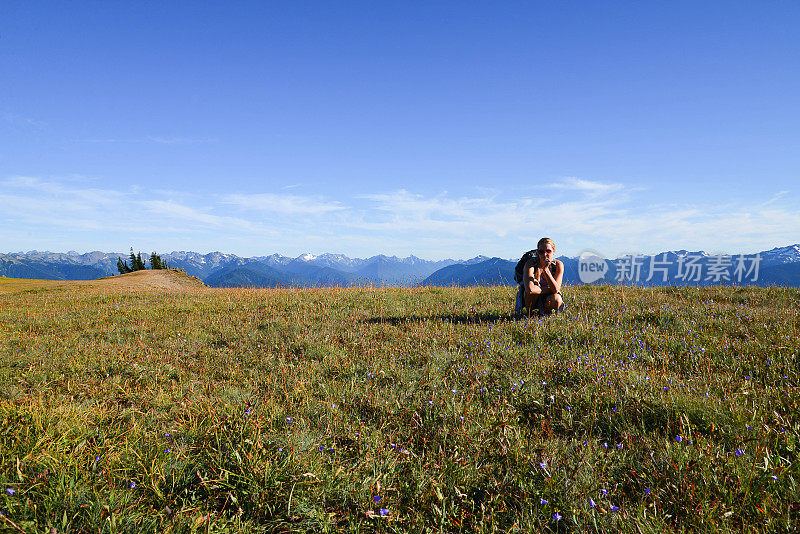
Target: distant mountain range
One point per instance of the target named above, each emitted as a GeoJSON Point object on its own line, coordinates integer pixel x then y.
{"type": "Point", "coordinates": [777, 266]}
{"type": "Point", "coordinates": [228, 270]}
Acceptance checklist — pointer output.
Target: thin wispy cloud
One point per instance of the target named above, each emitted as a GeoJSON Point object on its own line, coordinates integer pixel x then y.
{"type": "Point", "coordinates": [168, 209]}
{"type": "Point", "coordinates": [403, 207]}
{"type": "Point", "coordinates": [23, 122]}
{"type": "Point", "coordinates": [46, 205]}
{"type": "Point", "coordinates": [288, 205]}
{"type": "Point", "coordinates": [596, 215]}
{"type": "Point", "coordinates": [605, 217]}
{"type": "Point", "coordinates": [585, 186]}
{"type": "Point", "coordinates": [74, 196]}
{"type": "Point", "coordinates": [165, 140]}
{"type": "Point", "coordinates": [779, 195]}
{"type": "Point", "coordinates": [155, 139]}
{"type": "Point", "coordinates": [473, 216]}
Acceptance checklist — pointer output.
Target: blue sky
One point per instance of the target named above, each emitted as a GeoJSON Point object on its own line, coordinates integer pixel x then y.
{"type": "Point", "coordinates": [439, 129]}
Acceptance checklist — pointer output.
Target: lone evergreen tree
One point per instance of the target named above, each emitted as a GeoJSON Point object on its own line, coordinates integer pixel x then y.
{"type": "Point", "coordinates": [122, 266]}
{"type": "Point", "coordinates": [136, 261]}
{"type": "Point", "coordinates": [155, 262]}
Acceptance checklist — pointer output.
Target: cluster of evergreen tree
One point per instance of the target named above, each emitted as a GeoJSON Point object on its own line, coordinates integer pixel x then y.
{"type": "Point", "coordinates": [137, 263]}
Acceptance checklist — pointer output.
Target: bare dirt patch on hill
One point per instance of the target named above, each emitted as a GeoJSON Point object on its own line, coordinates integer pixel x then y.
{"type": "Point", "coordinates": [163, 279]}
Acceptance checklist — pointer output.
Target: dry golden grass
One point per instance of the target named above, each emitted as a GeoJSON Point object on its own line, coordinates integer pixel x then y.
{"type": "Point", "coordinates": [160, 408]}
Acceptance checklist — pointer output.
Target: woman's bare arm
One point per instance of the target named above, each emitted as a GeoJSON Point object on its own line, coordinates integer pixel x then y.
{"type": "Point", "coordinates": [554, 281]}
{"type": "Point", "coordinates": [529, 281]}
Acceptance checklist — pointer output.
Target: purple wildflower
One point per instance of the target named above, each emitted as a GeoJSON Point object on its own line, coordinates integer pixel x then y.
{"type": "Point", "coordinates": [604, 491]}
{"type": "Point", "coordinates": [614, 508]}
{"type": "Point", "coordinates": [376, 498]}
{"type": "Point", "coordinates": [384, 512]}
{"type": "Point", "coordinates": [592, 503]}
{"type": "Point", "coordinates": [11, 491]}
{"type": "Point", "coordinates": [557, 517]}
{"type": "Point", "coordinates": [133, 485]}
{"type": "Point", "coordinates": [738, 452]}
{"type": "Point", "coordinates": [542, 501]}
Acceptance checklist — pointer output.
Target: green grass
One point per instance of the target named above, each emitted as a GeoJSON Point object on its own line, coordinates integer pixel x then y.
{"type": "Point", "coordinates": [672, 409]}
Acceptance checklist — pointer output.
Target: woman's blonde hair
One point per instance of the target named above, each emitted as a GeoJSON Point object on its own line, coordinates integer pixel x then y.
{"type": "Point", "coordinates": [547, 241]}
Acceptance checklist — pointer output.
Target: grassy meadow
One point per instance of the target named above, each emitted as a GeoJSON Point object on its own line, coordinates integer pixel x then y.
{"type": "Point", "coordinates": [398, 410]}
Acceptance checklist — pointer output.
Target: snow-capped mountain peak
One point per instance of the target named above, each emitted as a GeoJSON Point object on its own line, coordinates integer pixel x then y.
{"type": "Point", "coordinates": [777, 255]}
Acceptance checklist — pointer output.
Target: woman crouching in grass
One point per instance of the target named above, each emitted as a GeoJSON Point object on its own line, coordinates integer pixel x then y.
{"type": "Point", "coordinates": [542, 277]}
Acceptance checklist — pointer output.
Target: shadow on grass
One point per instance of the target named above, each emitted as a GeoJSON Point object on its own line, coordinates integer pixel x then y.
{"type": "Point", "coordinates": [614, 421]}
{"type": "Point", "coordinates": [472, 318]}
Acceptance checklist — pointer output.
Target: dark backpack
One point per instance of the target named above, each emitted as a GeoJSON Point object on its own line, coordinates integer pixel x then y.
{"type": "Point", "coordinates": [518, 274]}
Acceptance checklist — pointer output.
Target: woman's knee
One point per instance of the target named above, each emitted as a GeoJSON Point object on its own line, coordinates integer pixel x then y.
{"type": "Point", "coordinates": [553, 302]}
{"type": "Point", "coordinates": [533, 291]}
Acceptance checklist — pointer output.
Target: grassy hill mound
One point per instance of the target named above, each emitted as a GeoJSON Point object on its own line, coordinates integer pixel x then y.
{"type": "Point", "coordinates": [146, 280]}
{"type": "Point", "coordinates": [160, 279]}
{"type": "Point", "coordinates": [398, 410]}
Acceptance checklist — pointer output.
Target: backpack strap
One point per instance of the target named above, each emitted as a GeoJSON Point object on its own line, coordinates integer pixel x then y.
{"type": "Point", "coordinates": [518, 274]}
